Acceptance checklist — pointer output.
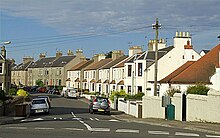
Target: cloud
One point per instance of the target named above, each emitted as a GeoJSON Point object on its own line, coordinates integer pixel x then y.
{"type": "Point", "coordinates": [102, 16]}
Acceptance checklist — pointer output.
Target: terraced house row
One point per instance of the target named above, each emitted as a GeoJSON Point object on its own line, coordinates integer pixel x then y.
{"type": "Point", "coordinates": [133, 72]}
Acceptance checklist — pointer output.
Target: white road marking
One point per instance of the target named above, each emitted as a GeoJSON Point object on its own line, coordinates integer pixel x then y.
{"type": "Point", "coordinates": [38, 119]}
{"type": "Point", "coordinates": [17, 127]}
{"type": "Point", "coordinates": [97, 119]}
{"type": "Point", "coordinates": [113, 120]}
{"type": "Point", "coordinates": [73, 114]}
{"type": "Point", "coordinates": [40, 128]}
{"type": "Point", "coordinates": [212, 136]}
{"type": "Point", "coordinates": [76, 118]}
{"type": "Point", "coordinates": [87, 126]}
{"type": "Point", "coordinates": [127, 131]}
{"type": "Point", "coordinates": [77, 129]}
{"type": "Point", "coordinates": [186, 134]}
{"type": "Point", "coordinates": [91, 119]}
{"type": "Point", "coordinates": [24, 120]}
{"type": "Point", "coordinates": [100, 129]}
{"type": "Point", "coordinates": [158, 132]}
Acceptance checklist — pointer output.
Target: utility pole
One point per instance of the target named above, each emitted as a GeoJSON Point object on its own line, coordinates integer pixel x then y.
{"type": "Point", "coordinates": [156, 27]}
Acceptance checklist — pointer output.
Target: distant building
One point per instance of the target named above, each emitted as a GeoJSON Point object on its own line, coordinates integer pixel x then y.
{"type": "Point", "coordinates": [19, 73]}
{"type": "Point", "coordinates": [53, 70]}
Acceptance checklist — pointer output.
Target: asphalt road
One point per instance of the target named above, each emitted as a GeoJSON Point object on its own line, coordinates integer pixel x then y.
{"type": "Point", "coordinates": [70, 118]}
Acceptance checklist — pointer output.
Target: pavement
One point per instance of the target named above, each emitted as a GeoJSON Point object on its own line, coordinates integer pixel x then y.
{"type": "Point", "coordinates": [212, 128]}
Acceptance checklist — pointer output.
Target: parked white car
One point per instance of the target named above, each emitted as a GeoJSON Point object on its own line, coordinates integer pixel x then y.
{"type": "Point", "coordinates": [72, 93]}
{"type": "Point", "coordinates": [39, 105]}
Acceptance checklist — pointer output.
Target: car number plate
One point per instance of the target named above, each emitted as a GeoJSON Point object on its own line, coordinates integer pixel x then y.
{"type": "Point", "coordinates": [39, 111]}
{"type": "Point", "coordinates": [101, 110]}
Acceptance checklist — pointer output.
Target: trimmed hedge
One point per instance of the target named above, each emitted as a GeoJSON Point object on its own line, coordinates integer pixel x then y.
{"type": "Point", "coordinates": [200, 89]}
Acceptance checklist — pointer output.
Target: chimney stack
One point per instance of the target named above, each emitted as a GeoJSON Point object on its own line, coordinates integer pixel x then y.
{"type": "Point", "coordinates": [70, 53]}
{"type": "Point", "coordinates": [117, 53]}
{"type": "Point", "coordinates": [27, 59]}
{"type": "Point", "coordinates": [42, 55]}
{"type": "Point", "coordinates": [59, 54]}
{"type": "Point", "coordinates": [134, 50]}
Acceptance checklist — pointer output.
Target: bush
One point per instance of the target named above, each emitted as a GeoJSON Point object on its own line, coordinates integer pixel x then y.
{"type": "Point", "coordinates": [171, 91]}
{"type": "Point", "coordinates": [120, 94]}
{"type": "Point", "coordinates": [22, 92]}
{"type": "Point", "coordinates": [12, 91]}
{"type": "Point", "coordinates": [39, 83]}
{"type": "Point", "coordinates": [200, 89]}
{"type": "Point", "coordinates": [2, 95]}
{"type": "Point", "coordinates": [137, 96]}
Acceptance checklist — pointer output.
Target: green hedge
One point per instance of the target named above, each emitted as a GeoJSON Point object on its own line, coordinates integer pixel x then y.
{"type": "Point", "coordinates": [200, 89]}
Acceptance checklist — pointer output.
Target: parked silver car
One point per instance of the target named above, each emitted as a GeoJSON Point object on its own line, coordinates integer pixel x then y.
{"type": "Point", "coordinates": [99, 104]}
{"type": "Point", "coordinates": [47, 97]}
{"type": "Point", "coordinates": [39, 105]}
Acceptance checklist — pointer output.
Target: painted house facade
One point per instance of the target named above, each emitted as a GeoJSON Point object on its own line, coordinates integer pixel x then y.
{"type": "Point", "coordinates": [75, 75]}
{"type": "Point", "coordinates": [206, 70]}
{"type": "Point", "coordinates": [19, 73]}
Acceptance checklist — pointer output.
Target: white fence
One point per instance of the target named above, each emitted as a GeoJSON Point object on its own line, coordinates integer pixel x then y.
{"type": "Point", "coordinates": [131, 107]}
{"type": "Point", "coordinates": [198, 107]}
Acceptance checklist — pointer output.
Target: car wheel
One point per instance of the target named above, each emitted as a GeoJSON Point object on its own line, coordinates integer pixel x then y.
{"type": "Point", "coordinates": [108, 113]}
{"type": "Point", "coordinates": [91, 111]}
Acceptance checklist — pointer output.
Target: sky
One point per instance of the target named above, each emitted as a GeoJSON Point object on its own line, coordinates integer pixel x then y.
{"type": "Point", "coordinates": [100, 26]}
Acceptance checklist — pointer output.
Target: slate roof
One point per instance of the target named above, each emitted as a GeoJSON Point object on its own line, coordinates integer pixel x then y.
{"type": "Point", "coordinates": [52, 62]}
{"type": "Point", "coordinates": [114, 62]}
{"type": "Point", "coordinates": [44, 62]}
{"type": "Point", "coordinates": [122, 64]}
{"type": "Point", "coordinates": [98, 64]}
{"type": "Point", "coordinates": [62, 61]}
{"type": "Point", "coordinates": [21, 66]}
{"type": "Point", "coordinates": [81, 65]}
{"type": "Point", "coordinates": [205, 51]}
{"type": "Point", "coordinates": [202, 70]}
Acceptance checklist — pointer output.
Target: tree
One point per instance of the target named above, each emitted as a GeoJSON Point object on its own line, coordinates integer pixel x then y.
{"type": "Point", "coordinates": [108, 55]}
{"type": "Point", "coordinates": [39, 83]}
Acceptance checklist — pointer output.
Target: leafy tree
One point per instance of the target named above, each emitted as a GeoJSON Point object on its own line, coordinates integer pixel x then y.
{"type": "Point", "coordinates": [108, 55]}
{"type": "Point", "coordinates": [39, 83]}
{"type": "Point", "coordinates": [200, 89]}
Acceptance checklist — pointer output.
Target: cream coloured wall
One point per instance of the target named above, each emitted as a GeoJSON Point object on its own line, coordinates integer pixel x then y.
{"type": "Point", "coordinates": [155, 111]}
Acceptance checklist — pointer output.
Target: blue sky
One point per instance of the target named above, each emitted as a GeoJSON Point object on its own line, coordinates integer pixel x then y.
{"type": "Point", "coordinates": [99, 26]}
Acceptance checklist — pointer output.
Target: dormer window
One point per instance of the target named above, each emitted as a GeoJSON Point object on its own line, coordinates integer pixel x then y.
{"type": "Point", "coordinates": [63, 62]}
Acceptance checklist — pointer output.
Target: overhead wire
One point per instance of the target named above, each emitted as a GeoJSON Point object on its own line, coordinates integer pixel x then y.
{"type": "Point", "coordinates": [73, 38]}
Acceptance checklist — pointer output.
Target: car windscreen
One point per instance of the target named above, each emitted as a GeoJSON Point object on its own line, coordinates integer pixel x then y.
{"type": "Point", "coordinates": [100, 100]}
{"type": "Point", "coordinates": [39, 101]}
